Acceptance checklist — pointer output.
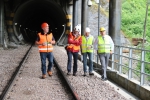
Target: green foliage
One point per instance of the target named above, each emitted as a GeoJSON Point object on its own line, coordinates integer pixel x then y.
{"type": "Point", "coordinates": [133, 16]}
{"type": "Point", "coordinates": [133, 20]}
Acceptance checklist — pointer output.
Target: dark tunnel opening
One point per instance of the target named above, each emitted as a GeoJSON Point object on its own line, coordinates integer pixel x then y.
{"type": "Point", "coordinates": [31, 14]}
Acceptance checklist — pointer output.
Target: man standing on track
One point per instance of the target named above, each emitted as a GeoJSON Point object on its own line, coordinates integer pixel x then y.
{"type": "Point", "coordinates": [105, 47]}
{"type": "Point", "coordinates": [87, 50]}
{"type": "Point", "coordinates": [45, 40]}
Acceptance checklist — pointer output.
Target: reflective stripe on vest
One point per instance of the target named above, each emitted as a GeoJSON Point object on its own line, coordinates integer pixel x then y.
{"type": "Point", "coordinates": [45, 38]}
{"type": "Point", "coordinates": [72, 46]}
{"type": "Point", "coordinates": [47, 44]}
{"type": "Point", "coordinates": [46, 49]}
{"type": "Point", "coordinates": [103, 44]}
{"type": "Point", "coordinates": [86, 44]}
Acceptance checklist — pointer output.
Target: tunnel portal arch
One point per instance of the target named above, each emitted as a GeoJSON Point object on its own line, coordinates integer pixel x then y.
{"type": "Point", "coordinates": [30, 14]}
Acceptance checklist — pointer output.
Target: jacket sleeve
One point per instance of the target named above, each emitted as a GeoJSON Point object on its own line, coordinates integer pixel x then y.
{"type": "Point", "coordinates": [111, 43]}
{"type": "Point", "coordinates": [38, 38]}
{"type": "Point", "coordinates": [75, 42]}
{"type": "Point", "coordinates": [79, 41]}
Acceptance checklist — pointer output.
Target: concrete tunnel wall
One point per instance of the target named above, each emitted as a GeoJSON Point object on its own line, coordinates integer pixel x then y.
{"type": "Point", "coordinates": [29, 15]}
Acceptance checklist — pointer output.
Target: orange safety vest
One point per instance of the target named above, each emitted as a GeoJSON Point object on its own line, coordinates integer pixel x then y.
{"type": "Point", "coordinates": [45, 38]}
{"type": "Point", "coordinates": [72, 46]}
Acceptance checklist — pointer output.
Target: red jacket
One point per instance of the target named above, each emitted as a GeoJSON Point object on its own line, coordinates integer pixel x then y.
{"type": "Point", "coordinates": [74, 43]}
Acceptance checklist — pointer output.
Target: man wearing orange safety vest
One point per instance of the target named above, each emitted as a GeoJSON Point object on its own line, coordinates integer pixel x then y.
{"type": "Point", "coordinates": [105, 46]}
{"type": "Point", "coordinates": [74, 42]}
{"type": "Point", "coordinates": [45, 40]}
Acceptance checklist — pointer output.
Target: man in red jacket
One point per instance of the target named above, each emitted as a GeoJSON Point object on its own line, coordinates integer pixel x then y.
{"type": "Point", "coordinates": [74, 42]}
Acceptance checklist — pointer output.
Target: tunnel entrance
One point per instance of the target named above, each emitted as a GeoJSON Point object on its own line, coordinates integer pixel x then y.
{"type": "Point", "coordinates": [31, 14]}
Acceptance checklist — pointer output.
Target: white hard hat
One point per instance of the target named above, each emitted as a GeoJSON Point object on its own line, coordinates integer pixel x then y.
{"type": "Point", "coordinates": [77, 28]}
{"type": "Point", "coordinates": [87, 29]}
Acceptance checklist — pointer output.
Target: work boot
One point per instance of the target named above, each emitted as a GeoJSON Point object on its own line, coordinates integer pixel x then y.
{"type": "Point", "coordinates": [69, 73]}
{"type": "Point", "coordinates": [85, 74]}
{"type": "Point", "coordinates": [104, 79]}
{"type": "Point", "coordinates": [49, 73]}
{"type": "Point", "coordinates": [74, 74]}
{"type": "Point", "coordinates": [91, 73]}
{"type": "Point", "coordinates": [43, 76]}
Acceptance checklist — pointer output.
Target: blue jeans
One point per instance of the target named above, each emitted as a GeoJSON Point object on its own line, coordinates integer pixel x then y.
{"type": "Point", "coordinates": [90, 55]}
{"type": "Point", "coordinates": [75, 58]}
{"type": "Point", "coordinates": [43, 56]}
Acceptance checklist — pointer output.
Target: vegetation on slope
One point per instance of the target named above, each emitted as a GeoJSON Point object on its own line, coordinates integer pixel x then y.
{"type": "Point", "coordinates": [133, 21]}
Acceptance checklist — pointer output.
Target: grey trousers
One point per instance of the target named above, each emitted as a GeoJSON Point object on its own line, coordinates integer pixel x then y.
{"type": "Point", "coordinates": [104, 59]}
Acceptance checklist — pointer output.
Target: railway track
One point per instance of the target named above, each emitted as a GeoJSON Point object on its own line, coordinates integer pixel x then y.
{"type": "Point", "coordinates": [13, 77]}
{"type": "Point", "coordinates": [19, 70]}
{"type": "Point", "coordinates": [74, 93]}
{"type": "Point", "coordinates": [28, 84]}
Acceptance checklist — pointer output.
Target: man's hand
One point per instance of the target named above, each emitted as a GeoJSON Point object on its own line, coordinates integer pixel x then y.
{"type": "Point", "coordinates": [89, 47]}
{"type": "Point", "coordinates": [52, 42]}
{"type": "Point", "coordinates": [111, 52]}
{"type": "Point", "coordinates": [49, 43]}
{"type": "Point", "coordinates": [70, 44]}
{"type": "Point", "coordinates": [44, 44]}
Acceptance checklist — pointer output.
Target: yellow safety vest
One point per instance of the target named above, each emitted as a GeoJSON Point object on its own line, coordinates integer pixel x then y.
{"type": "Point", "coordinates": [104, 44]}
{"type": "Point", "coordinates": [86, 44]}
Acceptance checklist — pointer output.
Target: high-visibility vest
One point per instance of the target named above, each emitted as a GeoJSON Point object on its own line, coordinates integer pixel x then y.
{"type": "Point", "coordinates": [104, 44]}
{"type": "Point", "coordinates": [72, 46]}
{"type": "Point", "coordinates": [45, 38]}
{"type": "Point", "coordinates": [86, 43]}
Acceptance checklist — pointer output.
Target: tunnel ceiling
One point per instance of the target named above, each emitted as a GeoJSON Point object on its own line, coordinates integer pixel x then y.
{"type": "Point", "coordinates": [31, 13]}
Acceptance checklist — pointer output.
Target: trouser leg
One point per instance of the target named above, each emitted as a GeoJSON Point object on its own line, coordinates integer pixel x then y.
{"type": "Point", "coordinates": [90, 55]}
{"type": "Point", "coordinates": [43, 62]}
{"type": "Point", "coordinates": [85, 62]}
{"type": "Point", "coordinates": [50, 59]}
{"type": "Point", "coordinates": [102, 61]}
{"type": "Point", "coordinates": [75, 58]}
{"type": "Point", "coordinates": [69, 61]}
{"type": "Point", "coordinates": [107, 55]}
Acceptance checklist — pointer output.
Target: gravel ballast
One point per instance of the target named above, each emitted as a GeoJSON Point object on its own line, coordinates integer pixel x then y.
{"type": "Point", "coordinates": [29, 85]}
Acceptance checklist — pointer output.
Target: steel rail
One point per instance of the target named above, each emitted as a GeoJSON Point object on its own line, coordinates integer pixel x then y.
{"type": "Point", "coordinates": [74, 93]}
{"type": "Point", "coordinates": [11, 81]}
